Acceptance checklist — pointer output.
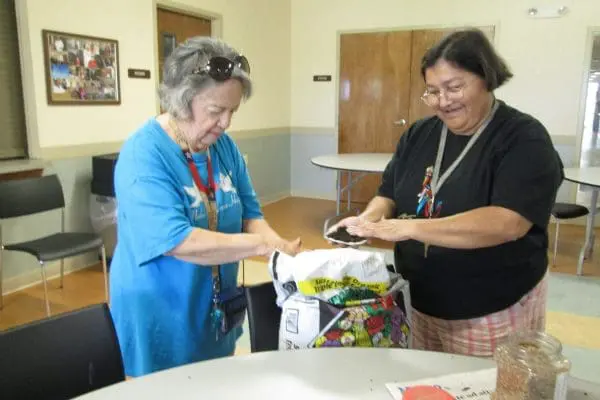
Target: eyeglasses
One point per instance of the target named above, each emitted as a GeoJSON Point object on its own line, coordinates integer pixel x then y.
{"type": "Point", "coordinates": [221, 68]}
{"type": "Point", "coordinates": [451, 93]}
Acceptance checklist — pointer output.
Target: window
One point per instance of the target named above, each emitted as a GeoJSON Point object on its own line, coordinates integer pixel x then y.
{"type": "Point", "coordinates": [13, 135]}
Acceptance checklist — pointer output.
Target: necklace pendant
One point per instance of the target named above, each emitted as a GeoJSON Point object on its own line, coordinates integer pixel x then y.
{"type": "Point", "coordinates": [217, 321]}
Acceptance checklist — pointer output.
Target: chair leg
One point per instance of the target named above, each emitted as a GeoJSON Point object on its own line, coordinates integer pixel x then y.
{"type": "Point", "coordinates": [556, 242]}
{"type": "Point", "coordinates": [104, 270]}
{"type": "Point", "coordinates": [43, 267]}
{"type": "Point", "coordinates": [1, 287]}
{"type": "Point", "coordinates": [62, 272]}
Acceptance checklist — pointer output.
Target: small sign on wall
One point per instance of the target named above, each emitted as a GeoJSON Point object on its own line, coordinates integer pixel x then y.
{"type": "Point", "coordinates": [138, 73]}
{"type": "Point", "coordinates": [321, 78]}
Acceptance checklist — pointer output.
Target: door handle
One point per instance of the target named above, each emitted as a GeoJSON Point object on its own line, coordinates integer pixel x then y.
{"type": "Point", "coordinates": [400, 122]}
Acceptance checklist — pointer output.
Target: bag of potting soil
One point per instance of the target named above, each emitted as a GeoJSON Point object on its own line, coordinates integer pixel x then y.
{"type": "Point", "coordinates": [340, 297]}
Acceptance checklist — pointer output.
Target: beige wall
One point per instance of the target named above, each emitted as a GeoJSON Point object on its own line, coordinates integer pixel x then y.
{"type": "Point", "coordinates": [259, 28]}
{"type": "Point", "coordinates": [546, 55]}
{"type": "Point", "coordinates": [549, 58]}
{"type": "Point", "coordinates": [69, 135]}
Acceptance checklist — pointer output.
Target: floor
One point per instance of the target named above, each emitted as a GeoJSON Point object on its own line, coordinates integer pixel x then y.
{"type": "Point", "coordinates": [573, 303]}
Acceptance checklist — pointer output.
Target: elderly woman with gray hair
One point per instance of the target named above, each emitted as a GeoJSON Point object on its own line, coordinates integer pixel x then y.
{"type": "Point", "coordinates": [187, 214]}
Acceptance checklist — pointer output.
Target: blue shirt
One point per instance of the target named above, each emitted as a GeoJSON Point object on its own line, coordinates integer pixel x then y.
{"type": "Point", "coordinates": [160, 305]}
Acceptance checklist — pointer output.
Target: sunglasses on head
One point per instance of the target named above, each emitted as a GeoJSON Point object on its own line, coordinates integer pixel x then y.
{"type": "Point", "coordinates": [221, 68]}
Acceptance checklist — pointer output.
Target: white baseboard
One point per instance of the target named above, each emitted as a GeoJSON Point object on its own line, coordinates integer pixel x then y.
{"type": "Point", "coordinates": [272, 198]}
{"type": "Point", "coordinates": [313, 195]}
{"type": "Point", "coordinates": [34, 276]}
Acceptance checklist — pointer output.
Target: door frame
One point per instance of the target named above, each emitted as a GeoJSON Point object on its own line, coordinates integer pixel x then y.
{"type": "Point", "coordinates": [216, 28]}
{"type": "Point", "coordinates": [336, 130]}
{"type": "Point", "coordinates": [585, 76]}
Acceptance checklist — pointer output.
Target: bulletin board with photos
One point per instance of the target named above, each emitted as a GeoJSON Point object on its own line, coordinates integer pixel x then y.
{"type": "Point", "coordinates": [82, 70]}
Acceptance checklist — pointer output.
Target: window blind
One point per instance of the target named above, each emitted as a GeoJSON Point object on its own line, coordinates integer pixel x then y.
{"type": "Point", "coordinates": [13, 135]}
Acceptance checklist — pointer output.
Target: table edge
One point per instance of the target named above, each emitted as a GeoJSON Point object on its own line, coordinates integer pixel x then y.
{"type": "Point", "coordinates": [312, 161]}
{"type": "Point", "coordinates": [580, 182]}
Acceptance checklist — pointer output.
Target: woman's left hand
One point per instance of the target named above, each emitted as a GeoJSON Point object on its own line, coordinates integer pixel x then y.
{"type": "Point", "coordinates": [391, 230]}
{"type": "Point", "coordinates": [289, 247]}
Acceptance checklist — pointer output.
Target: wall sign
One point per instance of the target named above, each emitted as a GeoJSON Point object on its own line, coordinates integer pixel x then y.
{"type": "Point", "coordinates": [138, 73]}
{"type": "Point", "coordinates": [321, 78]}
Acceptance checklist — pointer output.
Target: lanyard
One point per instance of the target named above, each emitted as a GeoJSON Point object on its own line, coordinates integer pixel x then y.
{"type": "Point", "coordinates": [212, 186]}
{"type": "Point", "coordinates": [208, 196]}
{"type": "Point", "coordinates": [436, 180]}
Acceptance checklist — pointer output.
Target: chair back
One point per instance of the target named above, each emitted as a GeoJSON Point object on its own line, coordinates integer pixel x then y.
{"type": "Point", "coordinates": [60, 357]}
{"type": "Point", "coordinates": [30, 196]}
{"type": "Point", "coordinates": [263, 317]}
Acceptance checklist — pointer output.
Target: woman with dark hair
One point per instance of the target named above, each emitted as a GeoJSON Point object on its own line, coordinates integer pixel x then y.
{"type": "Point", "coordinates": [467, 199]}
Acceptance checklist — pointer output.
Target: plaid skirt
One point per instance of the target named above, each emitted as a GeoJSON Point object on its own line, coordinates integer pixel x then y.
{"type": "Point", "coordinates": [480, 336]}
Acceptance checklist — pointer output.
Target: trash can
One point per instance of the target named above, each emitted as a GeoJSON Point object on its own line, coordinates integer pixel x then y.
{"type": "Point", "coordinates": [103, 215]}
{"type": "Point", "coordinates": [103, 204]}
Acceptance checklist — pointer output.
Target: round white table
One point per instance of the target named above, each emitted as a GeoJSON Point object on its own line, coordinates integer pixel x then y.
{"type": "Point", "coordinates": [349, 164]}
{"type": "Point", "coordinates": [353, 373]}
{"type": "Point", "coordinates": [588, 177]}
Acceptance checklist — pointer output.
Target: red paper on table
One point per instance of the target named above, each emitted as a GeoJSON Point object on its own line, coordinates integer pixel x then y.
{"type": "Point", "coordinates": [476, 385]}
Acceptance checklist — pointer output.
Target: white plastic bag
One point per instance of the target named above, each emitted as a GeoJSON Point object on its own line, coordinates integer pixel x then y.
{"type": "Point", "coordinates": [103, 212]}
{"type": "Point", "coordinates": [325, 273]}
{"type": "Point", "coordinates": [340, 297]}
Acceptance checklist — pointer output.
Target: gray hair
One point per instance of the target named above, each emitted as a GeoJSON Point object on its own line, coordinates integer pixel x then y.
{"type": "Point", "coordinates": [180, 85]}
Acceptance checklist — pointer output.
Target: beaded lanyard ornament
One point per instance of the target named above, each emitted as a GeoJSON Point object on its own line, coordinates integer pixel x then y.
{"type": "Point", "coordinates": [208, 196]}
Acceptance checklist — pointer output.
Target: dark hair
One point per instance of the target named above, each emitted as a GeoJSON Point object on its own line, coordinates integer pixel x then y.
{"type": "Point", "coordinates": [470, 50]}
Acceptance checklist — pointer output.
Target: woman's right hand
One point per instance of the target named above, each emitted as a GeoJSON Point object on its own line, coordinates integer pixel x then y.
{"type": "Point", "coordinates": [345, 223]}
{"type": "Point", "coordinates": [377, 209]}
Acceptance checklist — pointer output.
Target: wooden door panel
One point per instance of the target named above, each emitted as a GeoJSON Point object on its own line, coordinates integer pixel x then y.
{"type": "Point", "coordinates": [374, 92]}
{"type": "Point", "coordinates": [422, 41]}
{"type": "Point", "coordinates": [175, 28]}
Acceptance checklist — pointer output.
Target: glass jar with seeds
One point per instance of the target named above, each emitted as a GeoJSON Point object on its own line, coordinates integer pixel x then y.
{"type": "Point", "coordinates": [531, 366]}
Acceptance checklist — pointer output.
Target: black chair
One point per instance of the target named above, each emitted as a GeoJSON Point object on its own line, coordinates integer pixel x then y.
{"type": "Point", "coordinates": [263, 317]}
{"type": "Point", "coordinates": [565, 211]}
{"type": "Point", "coordinates": [60, 357]}
{"type": "Point", "coordinates": [35, 195]}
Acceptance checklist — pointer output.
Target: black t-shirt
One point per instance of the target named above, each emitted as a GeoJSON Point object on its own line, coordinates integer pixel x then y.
{"type": "Point", "coordinates": [513, 165]}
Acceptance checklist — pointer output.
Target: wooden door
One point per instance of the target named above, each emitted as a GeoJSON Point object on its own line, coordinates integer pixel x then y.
{"type": "Point", "coordinates": [423, 40]}
{"type": "Point", "coordinates": [374, 95]}
{"type": "Point", "coordinates": [175, 28]}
